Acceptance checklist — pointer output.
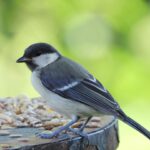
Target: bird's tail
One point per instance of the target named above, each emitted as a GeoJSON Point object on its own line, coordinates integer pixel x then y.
{"type": "Point", "coordinates": [133, 124]}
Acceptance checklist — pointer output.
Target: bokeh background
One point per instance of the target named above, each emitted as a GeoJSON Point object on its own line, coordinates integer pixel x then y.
{"type": "Point", "coordinates": [111, 38]}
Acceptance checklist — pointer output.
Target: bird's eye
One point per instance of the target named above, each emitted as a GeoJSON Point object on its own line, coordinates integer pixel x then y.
{"type": "Point", "coordinates": [38, 53]}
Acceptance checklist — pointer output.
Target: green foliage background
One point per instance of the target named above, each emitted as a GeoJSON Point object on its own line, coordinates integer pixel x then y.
{"type": "Point", "coordinates": [111, 38]}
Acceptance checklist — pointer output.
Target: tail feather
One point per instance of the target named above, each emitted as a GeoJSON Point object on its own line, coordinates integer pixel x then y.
{"type": "Point", "coordinates": [134, 124]}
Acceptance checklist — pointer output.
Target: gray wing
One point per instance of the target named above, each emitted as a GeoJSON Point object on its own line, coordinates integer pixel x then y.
{"type": "Point", "coordinates": [72, 81]}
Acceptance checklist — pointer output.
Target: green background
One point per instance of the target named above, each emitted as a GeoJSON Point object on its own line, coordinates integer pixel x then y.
{"type": "Point", "coordinates": [111, 38]}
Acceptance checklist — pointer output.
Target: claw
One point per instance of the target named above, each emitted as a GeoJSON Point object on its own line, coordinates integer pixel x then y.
{"type": "Point", "coordinates": [49, 134]}
{"type": "Point", "coordinates": [78, 132]}
{"type": "Point", "coordinates": [46, 135]}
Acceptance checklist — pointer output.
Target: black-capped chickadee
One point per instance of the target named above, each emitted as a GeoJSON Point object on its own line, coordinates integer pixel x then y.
{"type": "Point", "coordinates": [70, 89]}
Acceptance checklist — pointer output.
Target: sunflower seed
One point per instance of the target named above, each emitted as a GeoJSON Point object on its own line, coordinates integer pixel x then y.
{"type": "Point", "coordinates": [15, 135]}
{"type": "Point", "coordinates": [4, 132]}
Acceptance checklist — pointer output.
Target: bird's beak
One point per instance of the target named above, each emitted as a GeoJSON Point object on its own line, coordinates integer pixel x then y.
{"type": "Point", "coordinates": [23, 59]}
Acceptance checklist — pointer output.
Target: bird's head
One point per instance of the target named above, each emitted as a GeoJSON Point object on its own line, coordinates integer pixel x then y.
{"type": "Point", "coordinates": [39, 55]}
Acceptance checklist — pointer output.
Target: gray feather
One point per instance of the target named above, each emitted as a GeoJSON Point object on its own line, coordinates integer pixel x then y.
{"type": "Point", "coordinates": [88, 91]}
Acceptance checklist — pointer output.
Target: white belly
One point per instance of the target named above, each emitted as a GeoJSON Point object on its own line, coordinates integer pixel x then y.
{"type": "Point", "coordinates": [58, 103]}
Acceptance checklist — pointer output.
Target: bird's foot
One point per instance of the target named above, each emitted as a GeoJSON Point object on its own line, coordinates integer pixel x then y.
{"type": "Point", "coordinates": [50, 134]}
{"type": "Point", "coordinates": [79, 132]}
{"type": "Point", "coordinates": [47, 134]}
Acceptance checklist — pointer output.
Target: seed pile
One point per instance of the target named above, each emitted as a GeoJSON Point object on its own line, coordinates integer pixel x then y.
{"type": "Point", "coordinates": [19, 112]}
{"type": "Point", "coordinates": [23, 112]}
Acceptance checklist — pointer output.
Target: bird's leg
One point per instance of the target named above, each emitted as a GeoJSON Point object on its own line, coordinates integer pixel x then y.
{"type": "Point", "coordinates": [86, 122]}
{"type": "Point", "coordinates": [48, 135]}
{"type": "Point", "coordinates": [80, 130]}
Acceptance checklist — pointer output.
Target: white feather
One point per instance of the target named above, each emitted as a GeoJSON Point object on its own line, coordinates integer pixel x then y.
{"type": "Point", "coordinates": [68, 86]}
{"type": "Point", "coordinates": [45, 59]}
{"type": "Point", "coordinates": [58, 103]}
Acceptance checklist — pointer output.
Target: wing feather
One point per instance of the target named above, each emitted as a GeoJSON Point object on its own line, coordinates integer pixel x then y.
{"type": "Point", "coordinates": [61, 78]}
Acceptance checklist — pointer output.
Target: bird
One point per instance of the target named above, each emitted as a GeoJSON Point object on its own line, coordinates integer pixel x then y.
{"type": "Point", "coordinates": [71, 90]}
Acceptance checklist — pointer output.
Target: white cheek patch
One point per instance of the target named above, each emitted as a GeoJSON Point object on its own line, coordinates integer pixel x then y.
{"type": "Point", "coordinates": [45, 59]}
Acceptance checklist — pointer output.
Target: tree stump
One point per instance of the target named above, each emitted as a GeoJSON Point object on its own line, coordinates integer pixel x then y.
{"type": "Point", "coordinates": [104, 138]}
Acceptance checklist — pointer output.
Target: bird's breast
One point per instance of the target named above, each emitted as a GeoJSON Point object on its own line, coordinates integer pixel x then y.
{"type": "Point", "coordinates": [58, 103]}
